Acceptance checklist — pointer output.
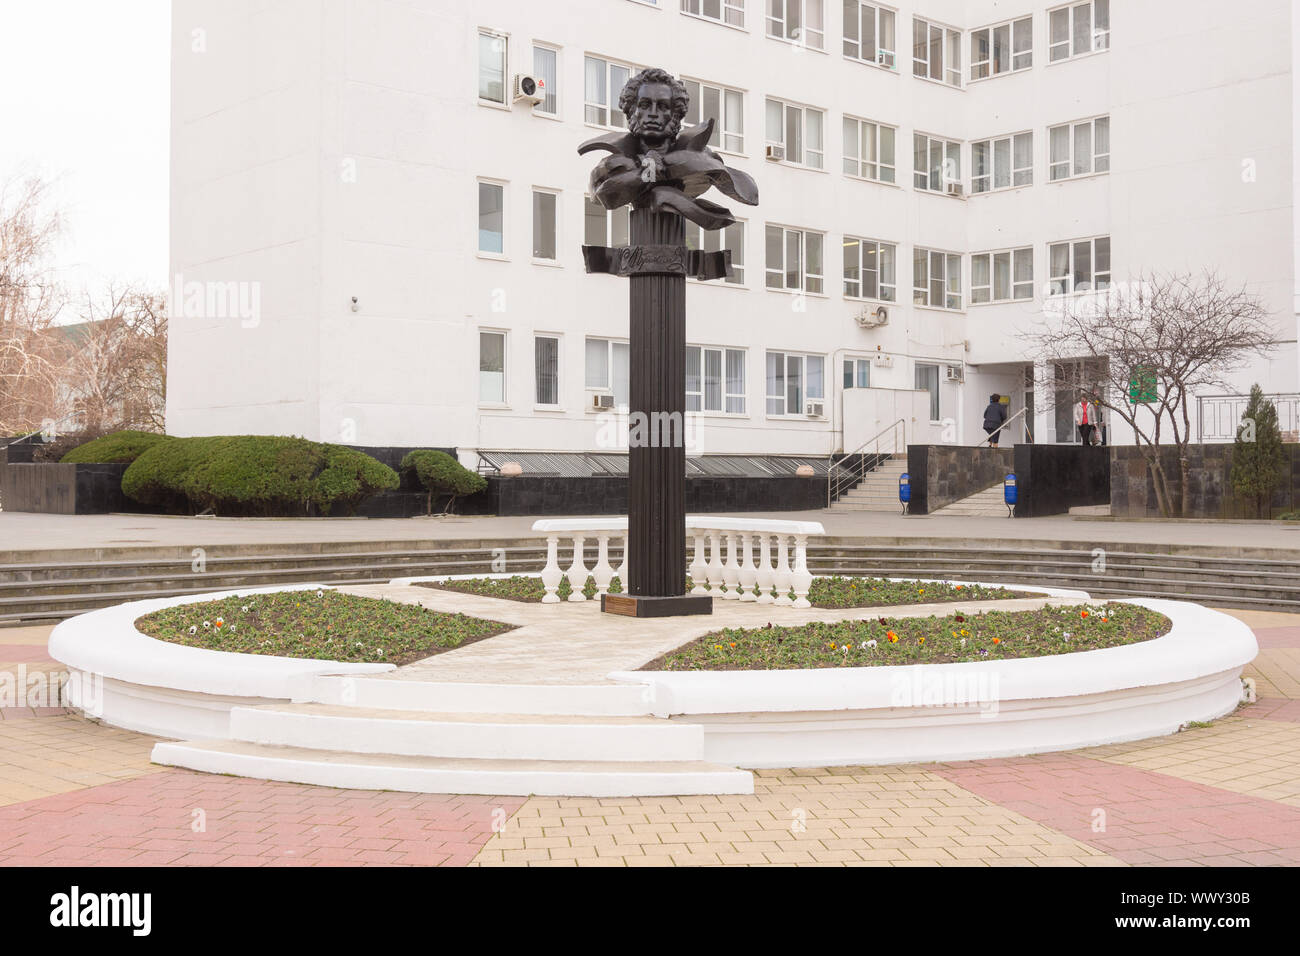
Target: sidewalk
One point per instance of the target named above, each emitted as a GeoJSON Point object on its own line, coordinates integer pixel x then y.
{"type": "Point", "coordinates": [35, 532]}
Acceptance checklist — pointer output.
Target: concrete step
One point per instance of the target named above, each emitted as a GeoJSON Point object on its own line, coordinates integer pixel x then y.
{"type": "Point", "coordinates": [382, 693]}
{"type": "Point", "coordinates": [411, 774]}
{"type": "Point", "coordinates": [988, 503]}
{"type": "Point", "coordinates": [420, 733]}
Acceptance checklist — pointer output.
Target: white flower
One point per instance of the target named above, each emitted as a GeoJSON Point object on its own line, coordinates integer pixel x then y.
{"type": "Point", "coordinates": [870, 643]}
{"type": "Point", "coordinates": [244, 608]}
{"type": "Point", "coordinates": [380, 652]}
{"type": "Point", "coordinates": [1066, 635]}
{"type": "Point", "coordinates": [207, 623]}
{"type": "Point", "coordinates": [320, 593]}
{"type": "Point", "coordinates": [193, 629]}
{"type": "Point", "coordinates": [232, 629]}
{"type": "Point", "coordinates": [963, 642]}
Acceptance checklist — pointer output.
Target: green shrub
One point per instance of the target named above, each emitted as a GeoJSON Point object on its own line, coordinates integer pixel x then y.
{"type": "Point", "coordinates": [121, 447]}
{"type": "Point", "coordinates": [255, 475]}
{"type": "Point", "coordinates": [1258, 459]}
{"type": "Point", "coordinates": [440, 474]}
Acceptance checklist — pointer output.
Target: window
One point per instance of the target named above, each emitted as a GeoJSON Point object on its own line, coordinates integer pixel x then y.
{"type": "Point", "coordinates": [796, 131]}
{"type": "Point", "coordinates": [603, 81]}
{"type": "Point", "coordinates": [730, 12]}
{"type": "Point", "coordinates": [869, 269]}
{"type": "Point", "coordinates": [492, 67]}
{"type": "Point", "coordinates": [1004, 48]}
{"type": "Point", "coordinates": [546, 69]}
{"type": "Point", "coordinates": [936, 163]}
{"type": "Point", "coordinates": [1079, 149]}
{"type": "Point", "coordinates": [794, 260]}
{"type": "Point", "coordinates": [1079, 265]}
{"type": "Point", "coordinates": [799, 21]}
{"type": "Point", "coordinates": [1078, 29]}
{"type": "Point", "coordinates": [606, 369]}
{"type": "Point", "coordinates": [727, 110]}
{"type": "Point", "coordinates": [936, 52]}
{"type": "Point", "coordinates": [546, 364]}
{"type": "Point", "coordinates": [857, 373]}
{"type": "Point", "coordinates": [1002, 163]}
{"type": "Point", "coordinates": [869, 150]}
{"type": "Point", "coordinates": [491, 218]}
{"type": "Point", "coordinates": [544, 225]}
{"type": "Point", "coordinates": [792, 379]}
{"type": "Point", "coordinates": [492, 368]}
{"type": "Point", "coordinates": [605, 227]}
{"type": "Point", "coordinates": [1001, 276]}
{"type": "Point", "coordinates": [715, 380]}
{"type": "Point", "coordinates": [715, 240]}
{"type": "Point", "coordinates": [927, 380]}
{"type": "Point", "coordinates": [869, 33]}
{"type": "Point", "coordinates": [936, 279]}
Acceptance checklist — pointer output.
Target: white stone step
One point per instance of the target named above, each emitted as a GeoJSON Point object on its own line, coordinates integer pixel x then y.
{"type": "Point", "coordinates": [612, 700]}
{"type": "Point", "coordinates": [444, 775]}
{"type": "Point", "coordinates": [986, 503]}
{"type": "Point", "coordinates": [480, 736]}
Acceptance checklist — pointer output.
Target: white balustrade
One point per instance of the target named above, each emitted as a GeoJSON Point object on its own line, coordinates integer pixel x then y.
{"type": "Point", "coordinates": [777, 569]}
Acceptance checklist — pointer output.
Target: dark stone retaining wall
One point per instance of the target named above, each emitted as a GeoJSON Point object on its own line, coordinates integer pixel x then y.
{"type": "Point", "coordinates": [1133, 495]}
{"type": "Point", "coordinates": [1051, 479]}
{"type": "Point", "coordinates": [52, 488]}
{"type": "Point", "coordinates": [942, 474]}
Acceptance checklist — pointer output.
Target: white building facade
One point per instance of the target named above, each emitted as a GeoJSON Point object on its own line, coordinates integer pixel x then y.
{"type": "Point", "coordinates": [375, 242]}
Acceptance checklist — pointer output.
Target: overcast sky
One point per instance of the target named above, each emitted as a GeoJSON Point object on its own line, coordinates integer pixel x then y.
{"type": "Point", "coordinates": [84, 96]}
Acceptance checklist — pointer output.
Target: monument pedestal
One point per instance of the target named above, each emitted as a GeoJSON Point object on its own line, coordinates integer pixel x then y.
{"type": "Point", "coordinates": [633, 605]}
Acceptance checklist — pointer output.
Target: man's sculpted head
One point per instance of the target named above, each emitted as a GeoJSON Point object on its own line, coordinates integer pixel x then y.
{"type": "Point", "coordinates": [655, 103]}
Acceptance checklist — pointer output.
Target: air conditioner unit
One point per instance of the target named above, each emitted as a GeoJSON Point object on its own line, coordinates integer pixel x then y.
{"type": "Point", "coordinates": [885, 58]}
{"type": "Point", "coordinates": [529, 89]}
{"type": "Point", "coordinates": [955, 373]}
{"type": "Point", "coordinates": [775, 153]}
{"type": "Point", "coordinates": [956, 189]}
{"type": "Point", "coordinates": [872, 319]}
{"type": "Point", "coordinates": [882, 360]}
{"type": "Point", "coordinates": [602, 401]}
{"type": "Point", "coordinates": [814, 409]}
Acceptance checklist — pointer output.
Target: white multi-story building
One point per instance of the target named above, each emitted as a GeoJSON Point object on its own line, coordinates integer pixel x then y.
{"type": "Point", "coordinates": [375, 240]}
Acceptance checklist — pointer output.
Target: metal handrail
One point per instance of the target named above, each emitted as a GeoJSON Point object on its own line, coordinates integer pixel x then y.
{"type": "Point", "coordinates": [995, 431]}
{"type": "Point", "coordinates": [856, 472]}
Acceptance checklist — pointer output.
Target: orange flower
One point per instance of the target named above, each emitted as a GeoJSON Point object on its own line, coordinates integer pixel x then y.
{"type": "Point", "coordinates": [893, 638]}
{"type": "Point", "coordinates": [1083, 614]}
{"type": "Point", "coordinates": [997, 640]}
{"type": "Point", "coordinates": [960, 586]}
{"type": "Point", "coordinates": [921, 640]}
{"type": "Point", "coordinates": [733, 644]}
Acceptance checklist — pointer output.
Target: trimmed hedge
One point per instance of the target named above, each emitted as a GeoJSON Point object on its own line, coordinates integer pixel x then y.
{"type": "Point", "coordinates": [121, 447]}
{"type": "Point", "coordinates": [255, 475]}
{"type": "Point", "coordinates": [441, 474]}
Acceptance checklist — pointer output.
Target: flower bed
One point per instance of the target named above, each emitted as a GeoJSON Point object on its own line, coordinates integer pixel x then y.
{"type": "Point", "coordinates": [955, 638]}
{"type": "Point", "coordinates": [517, 588]}
{"type": "Point", "coordinates": [321, 625]}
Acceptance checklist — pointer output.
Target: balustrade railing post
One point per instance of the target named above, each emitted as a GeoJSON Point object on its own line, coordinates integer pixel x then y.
{"type": "Point", "coordinates": [764, 579]}
{"type": "Point", "coordinates": [747, 570]}
{"type": "Point", "coordinates": [699, 567]}
{"type": "Point", "coordinates": [577, 571]}
{"type": "Point", "coordinates": [551, 573]}
{"type": "Point", "coordinates": [782, 573]}
{"type": "Point", "coordinates": [602, 572]}
{"type": "Point", "coordinates": [731, 570]}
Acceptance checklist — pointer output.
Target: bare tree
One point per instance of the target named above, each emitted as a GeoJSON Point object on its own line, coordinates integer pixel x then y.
{"type": "Point", "coordinates": [1170, 335]}
{"type": "Point", "coordinates": [30, 300]}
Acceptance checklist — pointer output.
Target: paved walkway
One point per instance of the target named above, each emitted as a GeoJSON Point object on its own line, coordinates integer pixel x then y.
{"type": "Point", "coordinates": [31, 532]}
{"type": "Point", "coordinates": [1227, 794]}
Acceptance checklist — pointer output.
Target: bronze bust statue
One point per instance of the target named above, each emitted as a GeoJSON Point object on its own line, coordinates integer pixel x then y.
{"type": "Point", "coordinates": [656, 165]}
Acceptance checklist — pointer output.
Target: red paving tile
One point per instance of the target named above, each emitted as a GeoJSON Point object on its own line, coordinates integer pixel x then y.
{"type": "Point", "coordinates": [1273, 708]}
{"type": "Point", "coordinates": [1267, 637]}
{"type": "Point", "coordinates": [25, 654]}
{"type": "Point", "coordinates": [147, 822]}
{"type": "Point", "coordinates": [1149, 817]}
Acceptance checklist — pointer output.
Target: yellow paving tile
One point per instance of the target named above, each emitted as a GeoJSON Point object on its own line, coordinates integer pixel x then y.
{"type": "Point", "coordinates": [40, 756]}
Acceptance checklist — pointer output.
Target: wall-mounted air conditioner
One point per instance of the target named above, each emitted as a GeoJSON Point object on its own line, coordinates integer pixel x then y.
{"type": "Point", "coordinates": [882, 360]}
{"type": "Point", "coordinates": [775, 153]}
{"type": "Point", "coordinates": [955, 373]}
{"type": "Point", "coordinates": [529, 89]}
{"type": "Point", "coordinates": [814, 409]}
{"type": "Point", "coordinates": [602, 401]}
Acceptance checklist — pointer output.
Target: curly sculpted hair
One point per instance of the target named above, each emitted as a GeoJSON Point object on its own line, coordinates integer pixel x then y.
{"type": "Point", "coordinates": [631, 91]}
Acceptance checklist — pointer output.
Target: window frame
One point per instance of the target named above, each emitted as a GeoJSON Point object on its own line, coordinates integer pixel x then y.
{"type": "Point", "coordinates": [723, 7]}
{"type": "Point", "coordinates": [724, 392]}
{"type": "Point", "coordinates": [948, 74]}
{"type": "Point", "coordinates": [1014, 257]}
{"type": "Point", "coordinates": [949, 259]}
{"type": "Point", "coordinates": [877, 20]}
{"type": "Point", "coordinates": [858, 123]}
{"type": "Point", "coordinates": [1098, 40]}
{"type": "Point", "coordinates": [504, 335]}
{"type": "Point", "coordinates": [1068, 277]}
{"type": "Point", "coordinates": [555, 237]}
{"type": "Point", "coordinates": [936, 404]}
{"type": "Point", "coordinates": [504, 38]}
{"type": "Point", "coordinates": [720, 129]}
{"type": "Point", "coordinates": [589, 203]}
{"type": "Point", "coordinates": [804, 111]}
{"type": "Point", "coordinates": [990, 61]}
{"type": "Point", "coordinates": [1012, 173]}
{"type": "Point", "coordinates": [501, 185]}
{"type": "Point", "coordinates": [558, 404]}
{"type": "Point", "coordinates": [879, 244]}
{"type": "Point", "coordinates": [554, 50]}
{"type": "Point", "coordinates": [1071, 162]}
{"type": "Point", "coordinates": [949, 146]}
{"type": "Point", "coordinates": [785, 35]}
{"type": "Point", "coordinates": [851, 368]}
{"type": "Point", "coordinates": [608, 387]}
{"type": "Point", "coordinates": [804, 274]}
{"type": "Point", "coordinates": [784, 397]}
{"type": "Point", "coordinates": [611, 95]}
{"type": "Point", "coordinates": [699, 234]}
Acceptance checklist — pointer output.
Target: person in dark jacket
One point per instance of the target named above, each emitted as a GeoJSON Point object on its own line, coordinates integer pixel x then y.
{"type": "Point", "coordinates": [994, 417]}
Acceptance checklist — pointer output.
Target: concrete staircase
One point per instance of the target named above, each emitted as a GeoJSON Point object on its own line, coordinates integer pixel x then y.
{"type": "Point", "coordinates": [878, 491]}
{"type": "Point", "coordinates": [988, 503]}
